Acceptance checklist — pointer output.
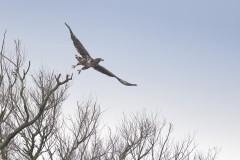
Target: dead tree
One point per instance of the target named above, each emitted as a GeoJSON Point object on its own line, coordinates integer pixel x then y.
{"type": "Point", "coordinates": [138, 137]}
{"type": "Point", "coordinates": [25, 99]}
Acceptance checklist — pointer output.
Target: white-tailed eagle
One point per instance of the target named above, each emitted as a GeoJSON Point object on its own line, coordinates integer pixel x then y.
{"type": "Point", "coordinates": [87, 61]}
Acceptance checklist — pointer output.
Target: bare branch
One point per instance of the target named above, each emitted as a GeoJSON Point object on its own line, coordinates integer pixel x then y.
{"type": "Point", "coordinates": [2, 48]}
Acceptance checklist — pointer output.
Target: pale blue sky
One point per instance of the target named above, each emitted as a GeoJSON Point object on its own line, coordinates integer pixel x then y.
{"type": "Point", "coordinates": [183, 54]}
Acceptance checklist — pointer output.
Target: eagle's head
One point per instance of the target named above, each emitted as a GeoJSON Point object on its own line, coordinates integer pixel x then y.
{"type": "Point", "coordinates": [97, 60]}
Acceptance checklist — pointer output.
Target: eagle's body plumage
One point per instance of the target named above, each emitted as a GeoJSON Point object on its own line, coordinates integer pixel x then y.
{"type": "Point", "coordinates": [87, 61]}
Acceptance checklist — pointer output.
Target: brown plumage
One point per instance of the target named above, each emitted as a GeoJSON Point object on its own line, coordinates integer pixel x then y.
{"type": "Point", "coordinates": [87, 61]}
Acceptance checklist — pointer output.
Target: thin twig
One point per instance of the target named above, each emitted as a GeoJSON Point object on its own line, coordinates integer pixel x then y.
{"type": "Point", "coordinates": [3, 48]}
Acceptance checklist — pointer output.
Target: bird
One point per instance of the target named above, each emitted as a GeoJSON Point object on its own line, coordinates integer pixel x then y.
{"type": "Point", "coordinates": [88, 62]}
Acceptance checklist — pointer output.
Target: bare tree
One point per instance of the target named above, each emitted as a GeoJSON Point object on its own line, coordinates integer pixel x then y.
{"type": "Point", "coordinates": [25, 103]}
{"type": "Point", "coordinates": [32, 125]}
{"type": "Point", "coordinates": [75, 139]}
{"type": "Point", "coordinates": [138, 137]}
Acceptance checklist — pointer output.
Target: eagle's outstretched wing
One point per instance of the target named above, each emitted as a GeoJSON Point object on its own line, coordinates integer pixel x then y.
{"type": "Point", "coordinates": [78, 45]}
{"type": "Point", "coordinates": [107, 72]}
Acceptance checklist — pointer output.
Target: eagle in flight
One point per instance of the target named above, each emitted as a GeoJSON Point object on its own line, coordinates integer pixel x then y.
{"type": "Point", "coordinates": [87, 61]}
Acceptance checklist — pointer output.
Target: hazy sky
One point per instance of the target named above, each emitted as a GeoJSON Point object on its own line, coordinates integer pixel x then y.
{"type": "Point", "coordinates": [183, 54]}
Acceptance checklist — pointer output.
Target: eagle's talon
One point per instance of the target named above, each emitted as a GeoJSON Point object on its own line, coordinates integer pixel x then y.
{"type": "Point", "coordinates": [73, 66]}
{"type": "Point", "coordinates": [79, 71]}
